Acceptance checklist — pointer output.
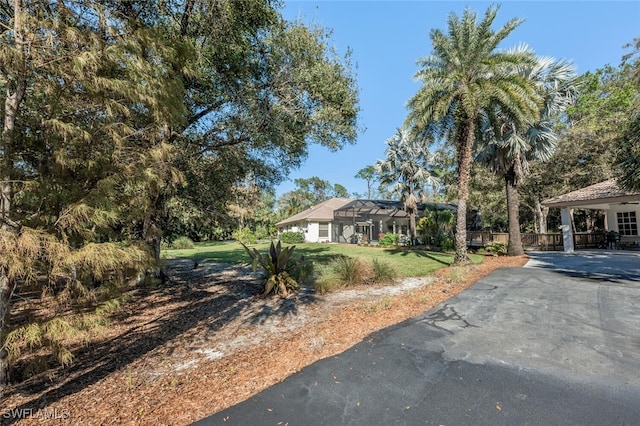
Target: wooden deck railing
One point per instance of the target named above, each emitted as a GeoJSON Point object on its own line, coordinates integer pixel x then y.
{"type": "Point", "coordinates": [530, 241]}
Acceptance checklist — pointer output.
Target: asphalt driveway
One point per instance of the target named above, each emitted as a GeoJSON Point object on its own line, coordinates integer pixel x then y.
{"type": "Point", "coordinates": [554, 343]}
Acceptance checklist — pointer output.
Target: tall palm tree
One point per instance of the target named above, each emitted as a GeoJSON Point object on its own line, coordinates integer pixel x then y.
{"type": "Point", "coordinates": [507, 148]}
{"type": "Point", "coordinates": [465, 75]}
{"type": "Point", "coordinates": [408, 168]}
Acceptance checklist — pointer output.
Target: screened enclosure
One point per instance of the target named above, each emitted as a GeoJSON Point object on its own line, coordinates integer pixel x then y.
{"type": "Point", "coordinates": [362, 221]}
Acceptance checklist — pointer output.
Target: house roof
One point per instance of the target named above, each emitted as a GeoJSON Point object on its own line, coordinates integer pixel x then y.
{"type": "Point", "coordinates": [376, 205]}
{"type": "Point", "coordinates": [385, 208]}
{"type": "Point", "coordinates": [322, 211]}
{"type": "Point", "coordinates": [602, 193]}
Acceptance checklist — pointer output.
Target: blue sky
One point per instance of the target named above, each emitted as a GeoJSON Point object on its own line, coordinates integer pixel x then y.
{"type": "Point", "coordinates": [388, 37]}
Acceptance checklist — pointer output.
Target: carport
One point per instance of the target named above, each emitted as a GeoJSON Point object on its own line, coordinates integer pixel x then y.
{"type": "Point", "coordinates": [621, 208]}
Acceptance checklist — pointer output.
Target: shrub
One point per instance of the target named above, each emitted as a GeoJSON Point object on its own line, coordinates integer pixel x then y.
{"type": "Point", "coordinates": [245, 236]}
{"type": "Point", "coordinates": [279, 267]}
{"type": "Point", "coordinates": [444, 240]}
{"type": "Point", "coordinates": [497, 249]}
{"type": "Point", "coordinates": [292, 237]}
{"type": "Point", "coordinates": [383, 271]}
{"type": "Point", "coordinates": [345, 271]}
{"type": "Point", "coordinates": [448, 245]}
{"type": "Point", "coordinates": [389, 239]}
{"type": "Point", "coordinates": [326, 283]}
{"type": "Point", "coordinates": [349, 270]}
{"type": "Point", "coordinates": [303, 271]}
{"type": "Point", "coordinates": [182, 243]}
{"type": "Point", "coordinates": [262, 233]}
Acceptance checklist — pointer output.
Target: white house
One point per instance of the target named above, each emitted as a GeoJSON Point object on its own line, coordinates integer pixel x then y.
{"type": "Point", "coordinates": [315, 222]}
{"type": "Point", "coordinates": [346, 221]}
{"type": "Point", "coordinates": [621, 207]}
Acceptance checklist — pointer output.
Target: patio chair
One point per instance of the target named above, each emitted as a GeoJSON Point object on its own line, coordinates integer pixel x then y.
{"type": "Point", "coordinates": [613, 240]}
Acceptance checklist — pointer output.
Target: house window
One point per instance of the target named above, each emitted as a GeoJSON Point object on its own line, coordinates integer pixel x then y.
{"type": "Point", "coordinates": [627, 223]}
{"type": "Point", "coordinates": [323, 231]}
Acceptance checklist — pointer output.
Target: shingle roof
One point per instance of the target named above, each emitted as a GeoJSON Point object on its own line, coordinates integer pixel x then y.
{"type": "Point", "coordinates": [322, 211]}
{"type": "Point", "coordinates": [603, 192]}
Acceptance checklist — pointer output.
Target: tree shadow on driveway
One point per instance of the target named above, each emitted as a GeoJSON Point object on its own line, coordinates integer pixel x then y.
{"type": "Point", "coordinates": [605, 266]}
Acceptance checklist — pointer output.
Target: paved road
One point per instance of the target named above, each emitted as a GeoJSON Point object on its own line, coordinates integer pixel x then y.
{"type": "Point", "coordinates": [554, 343]}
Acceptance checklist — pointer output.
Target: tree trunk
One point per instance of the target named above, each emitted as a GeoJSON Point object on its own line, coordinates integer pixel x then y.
{"type": "Point", "coordinates": [464, 152]}
{"type": "Point", "coordinates": [540, 213]}
{"type": "Point", "coordinates": [15, 89]}
{"type": "Point", "coordinates": [6, 191]}
{"type": "Point", "coordinates": [543, 220]}
{"type": "Point", "coordinates": [412, 225]}
{"type": "Point", "coordinates": [152, 235]}
{"type": "Point", "coordinates": [5, 304]}
{"type": "Point", "coordinates": [515, 240]}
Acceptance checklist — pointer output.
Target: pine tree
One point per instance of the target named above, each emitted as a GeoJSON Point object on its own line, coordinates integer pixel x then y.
{"type": "Point", "coordinates": [78, 144]}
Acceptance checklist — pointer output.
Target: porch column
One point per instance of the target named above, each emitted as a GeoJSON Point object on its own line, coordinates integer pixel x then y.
{"type": "Point", "coordinates": [567, 231]}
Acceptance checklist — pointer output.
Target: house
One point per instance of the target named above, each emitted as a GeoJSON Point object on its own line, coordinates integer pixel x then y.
{"type": "Point", "coordinates": [315, 222]}
{"type": "Point", "coordinates": [621, 208]}
{"type": "Point", "coordinates": [347, 221]}
{"type": "Point", "coordinates": [365, 220]}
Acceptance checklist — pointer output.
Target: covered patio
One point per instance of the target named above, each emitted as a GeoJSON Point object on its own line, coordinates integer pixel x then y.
{"type": "Point", "coordinates": [621, 208]}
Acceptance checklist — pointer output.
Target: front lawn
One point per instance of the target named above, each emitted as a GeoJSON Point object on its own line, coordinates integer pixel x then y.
{"type": "Point", "coordinates": [407, 261]}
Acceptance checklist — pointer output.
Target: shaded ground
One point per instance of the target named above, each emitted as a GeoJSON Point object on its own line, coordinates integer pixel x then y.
{"type": "Point", "coordinates": [206, 340]}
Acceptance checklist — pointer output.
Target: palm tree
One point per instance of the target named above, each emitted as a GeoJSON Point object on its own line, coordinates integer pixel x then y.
{"type": "Point", "coordinates": [507, 148]}
{"type": "Point", "coordinates": [408, 169]}
{"type": "Point", "coordinates": [465, 75]}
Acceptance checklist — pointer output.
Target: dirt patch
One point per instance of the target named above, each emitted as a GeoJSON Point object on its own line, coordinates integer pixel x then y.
{"type": "Point", "coordinates": [206, 340]}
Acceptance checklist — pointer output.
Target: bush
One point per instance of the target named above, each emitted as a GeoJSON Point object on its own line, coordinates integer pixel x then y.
{"type": "Point", "coordinates": [383, 271]}
{"type": "Point", "coordinates": [389, 239]}
{"type": "Point", "coordinates": [245, 236]}
{"type": "Point", "coordinates": [444, 240]}
{"type": "Point", "coordinates": [497, 249]}
{"type": "Point", "coordinates": [340, 272]}
{"type": "Point", "coordinates": [325, 284]}
{"type": "Point", "coordinates": [182, 243]}
{"type": "Point", "coordinates": [349, 270]}
{"type": "Point", "coordinates": [292, 237]}
{"type": "Point", "coordinates": [262, 233]}
{"type": "Point", "coordinates": [345, 271]}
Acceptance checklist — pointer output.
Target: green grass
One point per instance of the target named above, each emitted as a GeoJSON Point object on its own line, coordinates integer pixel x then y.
{"type": "Point", "coordinates": [406, 261]}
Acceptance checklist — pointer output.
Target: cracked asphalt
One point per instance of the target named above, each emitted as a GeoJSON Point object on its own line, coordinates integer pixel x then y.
{"type": "Point", "coordinates": [554, 343]}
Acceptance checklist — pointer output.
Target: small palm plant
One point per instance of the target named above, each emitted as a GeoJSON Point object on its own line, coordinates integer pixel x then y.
{"type": "Point", "coordinates": [279, 266]}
